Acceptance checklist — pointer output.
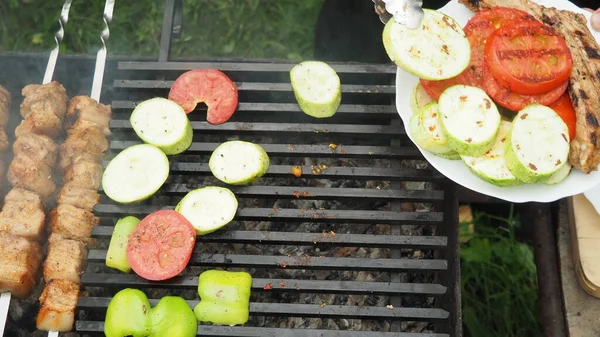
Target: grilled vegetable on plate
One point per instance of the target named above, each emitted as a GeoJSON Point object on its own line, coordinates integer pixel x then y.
{"type": "Point", "coordinates": [521, 63]}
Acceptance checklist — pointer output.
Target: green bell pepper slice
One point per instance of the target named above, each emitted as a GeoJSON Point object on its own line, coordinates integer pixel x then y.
{"type": "Point", "coordinates": [173, 317]}
{"type": "Point", "coordinates": [224, 297]}
{"type": "Point", "coordinates": [130, 314]}
{"type": "Point", "coordinates": [116, 256]}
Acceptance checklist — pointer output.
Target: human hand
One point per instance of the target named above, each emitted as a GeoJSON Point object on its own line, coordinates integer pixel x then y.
{"type": "Point", "coordinates": [595, 18]}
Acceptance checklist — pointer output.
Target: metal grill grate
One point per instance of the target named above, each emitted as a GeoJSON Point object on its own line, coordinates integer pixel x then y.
{"type": "Point", "coordinates": [347, 216]}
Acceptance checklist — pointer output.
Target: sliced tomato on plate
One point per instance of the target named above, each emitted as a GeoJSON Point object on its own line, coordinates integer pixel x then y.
{"type": "Point", "coordinates": [516, 102]}
{"type": "Point", "coordinates": [161, 245]}
{"type": "Point", "coordinates": [564, 108]}
{"type": "Point", "coordinates": [528, 57]}
{"type": "Point", "coordinates": [209, 86]}
{"type": "Point", "coordinates": [477, 30]}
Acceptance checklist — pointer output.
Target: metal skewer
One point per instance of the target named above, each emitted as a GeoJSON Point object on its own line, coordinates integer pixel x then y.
{"type": "Point", "coordinates": [58, 37]}
{"type": "Point", "coordinates": [99, 69]}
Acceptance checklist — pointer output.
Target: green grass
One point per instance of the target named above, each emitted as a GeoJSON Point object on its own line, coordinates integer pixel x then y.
{"type": "Point", "coordinates": [212, 28]}
{"type": "Point", "coordinates": [499, 280]}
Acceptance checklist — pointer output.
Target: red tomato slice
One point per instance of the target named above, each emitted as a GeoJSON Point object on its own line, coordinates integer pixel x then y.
{"type": "Point", "coordinates": [528, 57]}
{"type": "Point", "coordinates": [516, 102]}
{"type": "Point", "coordinates": [564, 108]}
{"type": "Point", "coordinates": [208, 86]}
{"type": "Point", "coordinates": [161, 245]}
{"type": "Point", "coordinates": [477, 29]}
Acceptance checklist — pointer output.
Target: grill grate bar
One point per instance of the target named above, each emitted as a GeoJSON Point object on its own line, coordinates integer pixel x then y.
{"type": "Point", "coordinates": [257, 86]}
{"type": "Point", "coordinates": [332, 172]}
{"type": "Point", "coordinates": [303, 262]}
{"type": "Point", "coordinates": [297, 150]}
{"type": "Point", "coordinates": [289, 285]}
{"type": "Point", "coordinates": [217, 331]}
{"type": "Point", "coordinates": [239, 127]}
{"type": "Point", "coordinates": [284, 107]}
{"type": "Point", "coordinates": [309, 310]}
{"type": "Point", "coordinates": [353, 68]}
{"type": "Point", "coordinates": [316, 239]}
{"type": "Point", "coordinates": [273, 214]}
{"type": "Point", "coordinates": [320, 193]}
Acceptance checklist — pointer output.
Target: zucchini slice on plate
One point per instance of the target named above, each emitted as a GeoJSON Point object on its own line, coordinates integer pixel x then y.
{"type": "Point", "coordinates": [470, 120]}
{"type": "Point", "coordinates": [538, 144]}
{"type": "Point", "coordinates": [436, 50]}
{"type": "Point", "coordinates": [419, 98]}
{"type": "Point", "coordinates": [426, 130]}
{"type": "Point", "coordinates": [491, 167]}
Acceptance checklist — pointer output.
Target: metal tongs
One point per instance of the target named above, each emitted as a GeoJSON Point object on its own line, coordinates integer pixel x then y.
{"type": "Point", "coordinates": [405, 12]}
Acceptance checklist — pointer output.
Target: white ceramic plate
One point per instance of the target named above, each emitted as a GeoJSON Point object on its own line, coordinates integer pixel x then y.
{"type": "Point", "coordinates": [456, 170]}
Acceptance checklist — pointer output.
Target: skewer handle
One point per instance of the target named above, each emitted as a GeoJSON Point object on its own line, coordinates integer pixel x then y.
{"type": "Point", "coordinates": [58, 37]}
{"type": "Point", "coordinates": [4, 304]}
{"type": "Point", "coordinates": [101, 57]}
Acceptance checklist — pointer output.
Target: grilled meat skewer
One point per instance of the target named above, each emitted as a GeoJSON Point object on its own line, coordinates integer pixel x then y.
{"type": "Point", "coordinates": [72, 221]}
{"type": "Point", "coordinates": [30, 173]}
{"type": "Point", "coordinates": [584, 85]}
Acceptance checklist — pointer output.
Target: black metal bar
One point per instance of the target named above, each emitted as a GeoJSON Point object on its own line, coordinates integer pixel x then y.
{"type": "Point", "coordinates": [302, 262]}
{"type": "Point", "coordinates": [271, 214]}
{"type": "Point", "coordinates": [451, 300]}
{"type": "Point", "coordinates": [331, 172]}
{"type": "Point", "coordinates": [275, 285]}
{"type": "Point", "coordinates": [238, 127]}
{"type": "Point", "coordinates": [309, 310]}
{"type": "Point", "coordinates": [164, 52]}
{"type": "Point", "coordinates": [300, 150]}
{"type": "Point", "coordinates": [257, 86]}
{"type": "Point", "coordinates": [318, 193]}
{"type": "Point", "coordinates": [217, 331]}
{"type": "Point", "coordinates": [287, 108]}
{"type": "Point", "coordinates": [358, 68]}
{"type": "Point", "coordinates": [539, 216]}
{"type": "Point", "coordinates": [311, 239]}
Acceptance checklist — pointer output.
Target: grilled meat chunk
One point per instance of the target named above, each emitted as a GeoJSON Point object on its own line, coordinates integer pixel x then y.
{"type": "Point", "coordinates": [5, 103]}
{"type": "Point", "coordinates": [31, 174]}
{"type": "Point", "coordinates": [65, 260]}
{"type": "Point", "coordinates": [42, 122]}
{"type": "Point", "coordinates": [58, 303]}
{"type": "Point", "coordinates": [83, 110]}
{"type": "Point", "coordinates": [85, 141]}
{"type": "Point", "coordinates": [51, 97]}
{"type": "Point", "coordinates": [20, 261]}
{"type": "Point", "coordinates": [38, 147]}
{"type": "Point", "coordinates": [70, 222]}
{"type": "Point", "coordinates": [584, 84]}
{"type": "Point", "coordinates": [85, 171]}
{"type": "Point", "coordinates": [23, 214]}
{"type": "Point", "coordinates": [74, 194]}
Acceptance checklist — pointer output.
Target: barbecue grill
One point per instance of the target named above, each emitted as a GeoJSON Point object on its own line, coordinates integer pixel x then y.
{"type": "Point", "coordinates": [364, 188]}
